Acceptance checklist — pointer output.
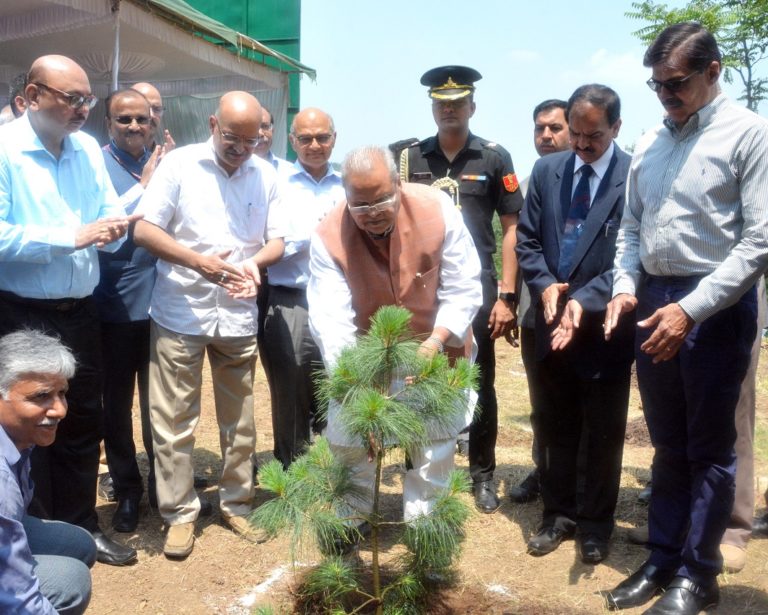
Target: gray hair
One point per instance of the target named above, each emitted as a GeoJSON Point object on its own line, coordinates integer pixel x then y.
{"type": "Point", "coordinates": [362, 159]}
{"type": "Point", "coordinates": [27, 352]}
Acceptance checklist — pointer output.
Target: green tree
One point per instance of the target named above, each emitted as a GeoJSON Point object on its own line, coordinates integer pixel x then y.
{"type": "Point", "coordinates": [741, 30]}
{"type": "Point", "coordinates": [312, 495]}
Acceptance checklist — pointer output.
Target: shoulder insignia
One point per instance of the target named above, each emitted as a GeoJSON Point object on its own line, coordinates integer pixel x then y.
{"type": "Point", "coordinates": [490, 144]}
{"type": "Point", "coordinates": [398, 146]}
{"type": "Point", "coordinates": [510, 182]}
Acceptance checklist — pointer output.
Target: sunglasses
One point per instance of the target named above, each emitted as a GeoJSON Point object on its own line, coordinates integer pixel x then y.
{"type": "Point", "coordinates": [127, 120]}
{"type": "Point", "coordinates": [673, 85]}
{"type": "Point", "coordinates": [73, 101]}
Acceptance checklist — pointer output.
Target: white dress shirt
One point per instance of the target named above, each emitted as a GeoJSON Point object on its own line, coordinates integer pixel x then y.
{"type": "Point", "coordinates": [305, 202]}
{"type": "Point", "coordinates": [203, 208]}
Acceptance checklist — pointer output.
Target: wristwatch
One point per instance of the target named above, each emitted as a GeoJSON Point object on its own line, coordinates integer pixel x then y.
{"type": "Point", "coordinates": [508, 297]}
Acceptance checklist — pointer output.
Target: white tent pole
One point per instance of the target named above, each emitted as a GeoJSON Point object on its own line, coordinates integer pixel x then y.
{"type": "Point", "coordinates": [116, 54]}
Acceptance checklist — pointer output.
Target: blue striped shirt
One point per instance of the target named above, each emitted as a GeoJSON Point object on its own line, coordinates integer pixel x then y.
{"type": "Point", "coordinates": [697, 205]}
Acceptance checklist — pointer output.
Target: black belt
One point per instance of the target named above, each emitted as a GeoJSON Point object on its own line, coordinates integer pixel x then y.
{"type": "Point", "coordinates": [289, 289]}
{"type": "Point", "coordinates": [66, 304]}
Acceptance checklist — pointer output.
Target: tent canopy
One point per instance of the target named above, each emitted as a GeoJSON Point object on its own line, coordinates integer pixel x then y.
{"type": "Point", "coordinates": [191, 58]}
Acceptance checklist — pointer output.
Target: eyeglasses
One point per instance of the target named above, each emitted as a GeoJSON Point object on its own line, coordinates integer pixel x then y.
{"type": "Point", "coordinates": [305, 140]}
{"type": "Point", "coordinates": [73, 101]}
{"type": "Point", "coordinates": [383, 203]}
{"type": "Point", "coordinates": [232, 139]}
{"type": "Point", "coordinates": [266, 126]}
{"type": "Point", "coordinates": [127, 120]}
{"type": "Point", "coordinates": [673, 85]}
{"type": "Point", "coordinates": [157, 109]}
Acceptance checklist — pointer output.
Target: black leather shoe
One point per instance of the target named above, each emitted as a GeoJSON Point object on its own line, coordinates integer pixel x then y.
{"type": "Point", "coordinates": [106, 488]}
{"type": "Point", "coordinates": [760, 526]}
{"type": "Point", "coordinates": [110, 552]}
{"type": "Point", "coordinates": [126, 517]}
{"type": "Point", "coordinates": [685, 597]}
{"type": "Point", "coordinates": [527, 491]}
{"type": "Point", "coordinates": [594, 549]}
{"type": "Point", "coordinates": [639, 587]}
{"type": "Point", "coordinates": [547, 540]}
{"type": "Point", "coordinates": [486, 499]}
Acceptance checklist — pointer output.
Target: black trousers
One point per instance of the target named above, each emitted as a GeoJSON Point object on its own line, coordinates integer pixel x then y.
{"type": "Point", "coordinates": [567, 406]}
{"type": "Point", "coordinates": [689, 403]}
{"type": "Point", "coordinates": [293, 358]}
{"type": "Point", "coordinates": [126, 360]}
{"type": "Point", "coordinates": [65, 473]}
{"type": "Point", "coordinates": [485, 426]}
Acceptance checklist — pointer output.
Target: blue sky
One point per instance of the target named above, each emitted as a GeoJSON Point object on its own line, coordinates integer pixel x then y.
{"type": "Point", "coordinates": [369, 57]}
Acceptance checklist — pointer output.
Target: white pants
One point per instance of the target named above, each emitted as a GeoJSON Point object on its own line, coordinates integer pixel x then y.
{"type": "Point", "coordinates": [432, 465]}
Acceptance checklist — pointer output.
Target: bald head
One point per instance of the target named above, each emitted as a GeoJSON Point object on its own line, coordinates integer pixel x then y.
{"type": "Point", "coordinates": [55, 83]}
{"type": "Point", "coordinates": [239, 107]}
{"type": "Point", "coordinates": [151, 93]}
{"type": "Point", "coordinates": [54, 67]}
{"type": "Point", "coordinates": [313, 137]}
{"type": "Point", "coordinates": [235, 129]}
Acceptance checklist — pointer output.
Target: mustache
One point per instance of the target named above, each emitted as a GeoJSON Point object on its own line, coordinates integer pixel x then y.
{"type": "Point", "coordinates": [48, 421]}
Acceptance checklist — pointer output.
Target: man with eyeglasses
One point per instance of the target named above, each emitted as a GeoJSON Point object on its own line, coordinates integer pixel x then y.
{"type": "Point", "coordinates": [57, 208]}
{"type": "Point", "coordinates": [394, 243]}
{"type": "Point", "coordinates": [122, 298]}
{"type": "Point", "coordinates": [481, 179]}
{"type": "Point", "coordinates": [693, 242]}
{"type": "Point", "coordinates": [309, 189]}
{"type": "Point", "coordinates": [264, 148]}
{"type": "Point", "coordinates": [213, 218]}
{"type": "Point", "coordinates": [156, 108]}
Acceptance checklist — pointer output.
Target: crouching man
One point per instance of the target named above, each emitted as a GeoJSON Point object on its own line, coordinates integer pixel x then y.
{"type": "Point", "coordinates": [393, 244]}
{"type": "Point", "coordinates": [44, 565]}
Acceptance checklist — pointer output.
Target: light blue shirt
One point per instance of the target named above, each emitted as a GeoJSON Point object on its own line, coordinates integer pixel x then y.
{"type": "Point", "coordinates": [43, 201]}
{"type": "Point", "coordinates": [306, 202]}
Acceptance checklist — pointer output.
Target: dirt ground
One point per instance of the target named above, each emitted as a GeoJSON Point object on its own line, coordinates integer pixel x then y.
{"type": "Point", "coordinates": [226, 575]}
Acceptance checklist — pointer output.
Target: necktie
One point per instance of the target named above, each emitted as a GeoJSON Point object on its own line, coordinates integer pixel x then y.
{"type": "Point", "coordinates": [574, 223]}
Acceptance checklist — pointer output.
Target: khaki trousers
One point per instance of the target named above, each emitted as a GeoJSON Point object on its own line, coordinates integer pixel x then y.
{"type": "Point", "coordinates": [175, 381]}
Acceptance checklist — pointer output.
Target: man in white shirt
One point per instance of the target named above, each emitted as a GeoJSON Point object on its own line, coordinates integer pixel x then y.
{"type": "Point", "coordinates": [212, 218]}
{"type": "Point", "coordinates": [309, 189]}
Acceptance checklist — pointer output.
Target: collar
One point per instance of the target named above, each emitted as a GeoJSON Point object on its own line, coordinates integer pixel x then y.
{"type": "Point", "coordinates": [298, 169]}
{"type": "Point", "coordinates": [702, 118]}
{"type": "Point", "coordinates": [599, 166]}
{"type": "Point", "coordinates": [8, 448]}
{"type": "Point", "coordinates": [209, 154]}
{"type": "Point", "coordinates": [28, 141]}
{"type": "Point", "coordinates": [433, 145]}
{"type": "Point", "coordinates": [132, 165]}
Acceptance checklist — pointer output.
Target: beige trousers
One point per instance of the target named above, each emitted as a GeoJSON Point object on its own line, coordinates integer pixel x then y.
{"type": "Point", "coordinates": [175, 381]}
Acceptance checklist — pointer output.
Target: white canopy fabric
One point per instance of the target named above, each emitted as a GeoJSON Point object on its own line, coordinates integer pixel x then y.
{"type": "Point", "coordinates": [190, 72]}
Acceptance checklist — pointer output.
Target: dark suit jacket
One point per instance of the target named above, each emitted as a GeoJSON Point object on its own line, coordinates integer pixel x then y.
{"type": "Point", "coordinates": [539, 234]}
